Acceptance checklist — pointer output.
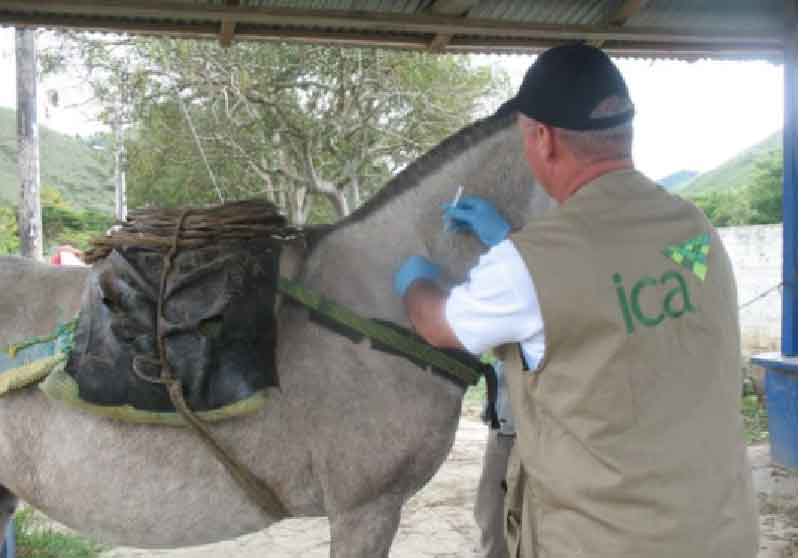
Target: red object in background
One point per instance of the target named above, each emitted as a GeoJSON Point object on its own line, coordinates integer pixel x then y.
{"type": "Point", "coordinates": [67, 255]}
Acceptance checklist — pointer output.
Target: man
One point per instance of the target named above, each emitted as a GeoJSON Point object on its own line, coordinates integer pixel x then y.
{"type": "Point", "coordinates": [617, 311]}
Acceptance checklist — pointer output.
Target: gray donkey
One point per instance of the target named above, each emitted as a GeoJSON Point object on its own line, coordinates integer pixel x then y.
{"type": "Point", "coordinates": [351, 434]}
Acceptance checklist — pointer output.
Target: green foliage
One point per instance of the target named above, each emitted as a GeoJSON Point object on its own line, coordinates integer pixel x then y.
{"type": "Point", "coordinates": [62, 224]}
{"type": "Point", "coordinates": [723, 209]}
{"type": "Point", "coordinates": [734, 174]}
{"type": "Point", "coordinates": [765, 194]}
{"type": "Point", "coordinates": [315, 129]}
{"type": "Point", "coordinates": [758, 202]}
{"type": "Point", "coordinates": [35, 539]}
{"type": "Point", "coordinates": [82, 174]}
{"type": "Point", "coordinates": [755, 415]}
{"type": "Point", "coordinates": [9, 239]}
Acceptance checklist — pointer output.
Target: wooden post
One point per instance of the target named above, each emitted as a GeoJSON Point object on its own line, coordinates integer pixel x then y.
{"type": "Point", "coordinates": [120, 203]}
{"type": "Point", "coordinates": [120, 160]}
{"type": "Point", "coordinates": [29, 209]}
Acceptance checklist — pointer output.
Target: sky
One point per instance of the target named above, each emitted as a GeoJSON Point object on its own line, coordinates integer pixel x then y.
{"type": "Point", "coordinates": [689, 116]}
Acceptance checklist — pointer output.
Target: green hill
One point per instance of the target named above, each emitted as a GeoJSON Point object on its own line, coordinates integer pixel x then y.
{"type": "Point", "coordinates": [66, 164]}
{"type": "Point", "coordinates": [733, 174]}
{"type": "Point", "coordinates": [677, 180]}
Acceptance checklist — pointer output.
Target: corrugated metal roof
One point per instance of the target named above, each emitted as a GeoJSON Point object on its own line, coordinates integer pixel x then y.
{"type": "Point", "coordinates": [655, 28]}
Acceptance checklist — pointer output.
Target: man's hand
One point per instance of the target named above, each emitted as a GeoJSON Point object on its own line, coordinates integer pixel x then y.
{"type": "Point", "coordinates": [478, 216]}
{"type": "Point", "coordinates": [416, 267]}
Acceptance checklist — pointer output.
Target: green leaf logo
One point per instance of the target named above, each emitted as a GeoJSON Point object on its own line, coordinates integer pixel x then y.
{"type": "Point", "coordinates": [691, 254]}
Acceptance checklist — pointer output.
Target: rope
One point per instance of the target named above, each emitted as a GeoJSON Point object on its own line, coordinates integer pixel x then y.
{"type": "Point", "coordinates": [259, 493]}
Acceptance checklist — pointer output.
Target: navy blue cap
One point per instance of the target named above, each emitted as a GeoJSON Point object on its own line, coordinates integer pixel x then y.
{"type": "Point", "coordinates": [565, 84]}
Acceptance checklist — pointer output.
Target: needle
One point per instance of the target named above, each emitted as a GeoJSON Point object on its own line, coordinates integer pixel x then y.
{"type": "Point", "coordinates": [454, 204]}
{"type": "Point", "coordinates": [457, 197]}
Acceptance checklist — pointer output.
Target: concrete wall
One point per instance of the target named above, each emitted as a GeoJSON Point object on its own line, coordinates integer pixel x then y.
{"type": "Point", "coordinates": [756, 254]}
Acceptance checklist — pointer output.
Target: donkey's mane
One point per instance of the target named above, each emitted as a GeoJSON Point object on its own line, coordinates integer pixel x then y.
{"type": "Point", "coordinates": [429, 163]}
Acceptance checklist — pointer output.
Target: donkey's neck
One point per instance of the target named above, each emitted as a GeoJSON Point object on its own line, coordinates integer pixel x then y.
{"type": "Point", "coordinates": [355, 263]}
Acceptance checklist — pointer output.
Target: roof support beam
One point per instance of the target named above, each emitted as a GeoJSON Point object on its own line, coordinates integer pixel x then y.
{"type": "Point", "coordinates": [439, 43]}
{"type": "Point", "coordinates": [228, 27]}
{"type": "Point", "coordinates": [12, 11]}
{"type": "Point", "coordinates": [452, 7]}
{"type": "Point", "coordinates": [171, 17]}
{"type": "Point", "coordinates": [625, 10]}
{"type": "Point", "coordinates": [455, 8]}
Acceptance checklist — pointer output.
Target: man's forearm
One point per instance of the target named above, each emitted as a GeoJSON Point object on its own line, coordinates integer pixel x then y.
{"type": "Point", "coordinates": [426, 308]}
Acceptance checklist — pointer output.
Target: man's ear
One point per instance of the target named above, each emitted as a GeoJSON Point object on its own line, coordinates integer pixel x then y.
{"type": "Point", "coordinates": [546, 136]}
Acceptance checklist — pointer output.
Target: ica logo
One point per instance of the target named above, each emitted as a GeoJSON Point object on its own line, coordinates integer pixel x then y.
{"type": "Point", "coordinates": [676, 301]}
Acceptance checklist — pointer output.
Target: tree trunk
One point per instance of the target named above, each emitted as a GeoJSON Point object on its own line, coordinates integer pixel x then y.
{"type": "Point", "coordinates": [29, 210]}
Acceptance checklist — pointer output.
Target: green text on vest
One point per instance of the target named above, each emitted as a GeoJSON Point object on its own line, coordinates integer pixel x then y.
{"type": "Point", "coordinates": [676, 302]}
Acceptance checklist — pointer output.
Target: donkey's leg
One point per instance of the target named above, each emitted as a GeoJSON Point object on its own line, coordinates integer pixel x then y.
{"type": "Point", "coordinates": [366, 531]}
{"type": "Point", "coordinates": [8, 503]}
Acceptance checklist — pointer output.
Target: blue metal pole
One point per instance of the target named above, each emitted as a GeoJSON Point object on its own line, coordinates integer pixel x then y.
{"type": "Point", "coordinates": [788, 343]}
{"type": "Point", "coordinates": [9, 546]}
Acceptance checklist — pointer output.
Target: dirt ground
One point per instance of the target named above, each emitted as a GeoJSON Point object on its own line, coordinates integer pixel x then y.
{"type": "Point", "coordinates": [438, 521]}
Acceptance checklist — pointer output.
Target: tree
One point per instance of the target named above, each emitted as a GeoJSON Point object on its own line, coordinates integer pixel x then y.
{"type": "Point", "coordinates": [61, 224]}
{"type": "Point", "coordinates": [314, 129]}
{"type": "Point", "coordinates": [758, 203]}
{"type": "Point", "coordinates": [765, 193]}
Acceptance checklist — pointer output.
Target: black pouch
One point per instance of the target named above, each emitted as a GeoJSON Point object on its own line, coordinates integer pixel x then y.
{"type": "Point", "coordinates": [218, 326]}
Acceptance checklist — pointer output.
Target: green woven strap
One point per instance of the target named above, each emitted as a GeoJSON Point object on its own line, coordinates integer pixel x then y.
{"type": "Point", "coordinates": [378, 332]}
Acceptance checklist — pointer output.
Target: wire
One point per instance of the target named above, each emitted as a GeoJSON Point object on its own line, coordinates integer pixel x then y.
{"type": "Point", "coordinates": [762, 295]}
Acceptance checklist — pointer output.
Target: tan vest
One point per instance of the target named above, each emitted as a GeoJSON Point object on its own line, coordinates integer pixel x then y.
{"type": "Point", "coordinates": [629, 434]}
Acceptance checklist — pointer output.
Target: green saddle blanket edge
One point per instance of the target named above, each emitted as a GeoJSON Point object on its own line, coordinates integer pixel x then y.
{"type": "Point", "coordinates": [60, 386]}
{"type": "Point", "coordinates": [28, 374]}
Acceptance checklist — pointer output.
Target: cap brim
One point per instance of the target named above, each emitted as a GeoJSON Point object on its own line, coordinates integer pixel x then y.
{"type": "Point", "coordinates": [508, 107]}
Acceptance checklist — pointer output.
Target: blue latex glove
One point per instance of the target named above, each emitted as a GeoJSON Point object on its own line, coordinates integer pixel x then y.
{"type": "Point", "coordinates": [416, 267]}
{"type": "Point", "coordinates": [477, 215]}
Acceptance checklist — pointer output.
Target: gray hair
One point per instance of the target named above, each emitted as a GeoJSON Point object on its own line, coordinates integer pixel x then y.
{"type": "Point", "coordinates": [602, 145]}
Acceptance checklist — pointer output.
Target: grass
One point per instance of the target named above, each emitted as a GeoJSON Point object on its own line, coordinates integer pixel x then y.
{"type": "Point", "coordinates": [36, 538]}
{"type": "Point", "coordinates": [756, 421]}
{"type": "Point", "coordinates": [753, 409]}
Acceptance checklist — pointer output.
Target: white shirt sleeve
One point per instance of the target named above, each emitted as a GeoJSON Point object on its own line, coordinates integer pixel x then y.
{"type": "Point", "coordinates": [498, 304]}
